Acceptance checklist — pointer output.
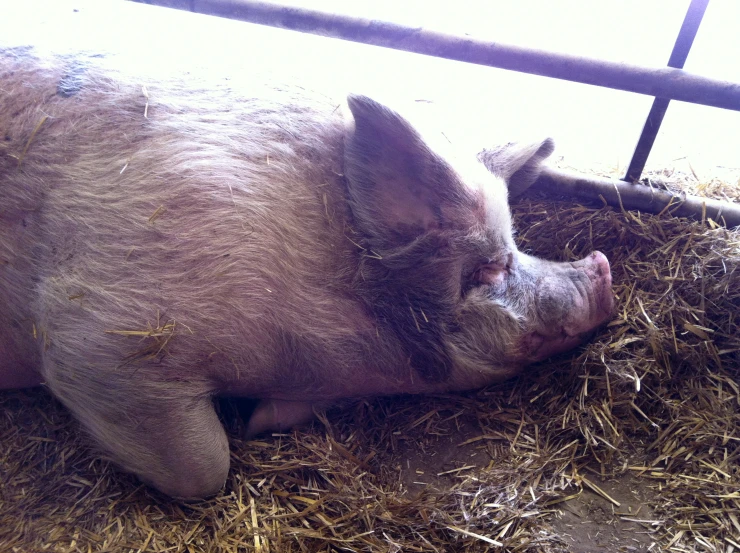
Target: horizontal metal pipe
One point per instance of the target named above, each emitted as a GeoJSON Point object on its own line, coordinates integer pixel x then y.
{"type": "Point", "coordinates": [659, 82]}
{"type": "Point", "coordinates": [618, 193]}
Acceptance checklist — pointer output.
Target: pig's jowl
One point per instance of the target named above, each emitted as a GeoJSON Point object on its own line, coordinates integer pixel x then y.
{"type": "Point", "coordinates": [163, 245]}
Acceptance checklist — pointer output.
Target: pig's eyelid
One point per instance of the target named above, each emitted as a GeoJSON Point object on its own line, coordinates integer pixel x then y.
{"type": "Point", "coordinates": [492, 273]}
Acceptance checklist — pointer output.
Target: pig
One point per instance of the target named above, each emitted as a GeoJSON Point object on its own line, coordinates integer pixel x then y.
{"type": "Point", "coordinates": [167, 241]}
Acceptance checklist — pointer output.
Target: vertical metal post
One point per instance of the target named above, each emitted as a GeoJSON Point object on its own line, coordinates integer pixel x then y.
{"type": "Point", "coordinates": [678, 57]}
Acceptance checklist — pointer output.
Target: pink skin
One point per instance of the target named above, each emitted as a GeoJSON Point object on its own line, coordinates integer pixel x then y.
{"type": "Point", "coordinates": [587, 314]}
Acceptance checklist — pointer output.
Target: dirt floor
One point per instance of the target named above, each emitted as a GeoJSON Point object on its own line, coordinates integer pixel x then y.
{"type": "Point", "coordinates": [628, 444]}
{"type": "Point", "coordinates": [586, 522]}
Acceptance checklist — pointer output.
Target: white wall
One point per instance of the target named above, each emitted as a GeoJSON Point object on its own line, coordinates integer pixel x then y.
{"type": "Point", "coordinates": [593, 127]}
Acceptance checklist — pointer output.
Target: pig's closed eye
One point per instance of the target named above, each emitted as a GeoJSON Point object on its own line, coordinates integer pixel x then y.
{"type": "Point", "coordinates": [491, 275]}
{"type": "Point", "coordinates": [493, 272]}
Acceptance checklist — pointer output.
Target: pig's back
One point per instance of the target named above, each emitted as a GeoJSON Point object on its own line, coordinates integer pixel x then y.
{"type": "Point", "coordinates": [175, 222]}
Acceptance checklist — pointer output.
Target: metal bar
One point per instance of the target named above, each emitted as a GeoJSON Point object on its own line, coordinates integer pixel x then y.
{"type": "Point", "coordinates": [660, 82]}
{"type": "Point", "coordinates": [655, 116]}
{"type": "Point", "coordinates": [620, 194]}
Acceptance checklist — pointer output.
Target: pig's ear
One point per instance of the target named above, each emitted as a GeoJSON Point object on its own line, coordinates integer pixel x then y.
{"type": "Point", "coordinates": [519, 164]}
{"type": "Point", "coordinates": [398, 187]}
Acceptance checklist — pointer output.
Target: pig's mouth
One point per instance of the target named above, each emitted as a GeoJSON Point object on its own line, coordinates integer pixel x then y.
{"type": "Point", "coordinates": [536, 346]}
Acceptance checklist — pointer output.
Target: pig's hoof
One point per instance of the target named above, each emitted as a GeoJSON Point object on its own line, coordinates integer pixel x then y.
{"type": "Point", "coordinates": [190, 487]}
{"type": "Point", "coordinates": [277, 415]}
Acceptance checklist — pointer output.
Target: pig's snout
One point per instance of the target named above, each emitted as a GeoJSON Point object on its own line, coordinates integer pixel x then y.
{"type": "Point", "coordinates": [597, 268]}
{"type": "Point", "coordinates": [593, 303]}
{"type": "Point", "coordinates": [568, 319]}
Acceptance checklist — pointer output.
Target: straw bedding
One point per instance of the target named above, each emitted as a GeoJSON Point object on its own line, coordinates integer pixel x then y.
{"type": "Point", "coordinates": [630, 443]}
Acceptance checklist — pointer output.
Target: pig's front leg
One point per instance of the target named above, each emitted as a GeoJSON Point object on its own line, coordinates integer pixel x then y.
{"type": "Point", "coordinates": [169, 436]}
{"type": "Point", "coordinates": [185, 447]}
{"type": "Point", "coordinates": [278, 415]}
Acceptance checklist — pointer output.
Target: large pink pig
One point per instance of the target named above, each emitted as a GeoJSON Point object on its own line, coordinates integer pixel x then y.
{"type": "Point", "coordinates": [165, 244]}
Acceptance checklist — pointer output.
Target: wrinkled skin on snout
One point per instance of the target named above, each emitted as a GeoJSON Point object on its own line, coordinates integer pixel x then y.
{"type": "Point", "coordinates": [201, 240]}
{"type": "Point", "coordinates": [569, 301]}
{"type": "Point", "coordinates": [557, 305]}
